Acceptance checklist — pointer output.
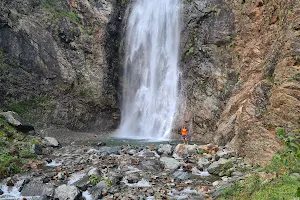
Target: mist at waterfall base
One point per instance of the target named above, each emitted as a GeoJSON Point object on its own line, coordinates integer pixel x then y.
{"type": "Point", "coordinates": [150, 79]}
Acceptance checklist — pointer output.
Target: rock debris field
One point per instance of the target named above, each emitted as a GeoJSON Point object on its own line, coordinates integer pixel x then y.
{"type": "Point", "coordinates": [158, 171]}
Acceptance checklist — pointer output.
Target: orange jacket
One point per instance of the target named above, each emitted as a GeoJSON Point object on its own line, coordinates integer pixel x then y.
{"type": "Point", "coordinates": [184, 132]}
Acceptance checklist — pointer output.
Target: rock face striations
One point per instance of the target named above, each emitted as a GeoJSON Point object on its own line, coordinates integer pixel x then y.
{"type": "Point", "coordinates": [58, 61]}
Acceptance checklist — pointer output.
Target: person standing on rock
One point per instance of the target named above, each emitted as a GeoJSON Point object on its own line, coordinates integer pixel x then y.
{"type": "Point", "coordinates": [184, 135]}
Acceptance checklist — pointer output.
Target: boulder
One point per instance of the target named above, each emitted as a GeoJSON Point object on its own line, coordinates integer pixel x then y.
{"type": "Point", "coordinates": [105, 151]}
{"type": "Point", "coordinates": [11, 117]}
{"type": "Point", "coordinates": [51, 141]}
{"type": "Point", "coordinates": [83, 183]}
{"type": "Point", "coordinates": [37, 189]}
{"type": "Point", "coordinates": [203, 163]}
{"type": "Point", "coordinates": [183, 151]}
{"type": "Point", "coordinates": [94, 171]}
{"type": "Point", "coordinates": [96, 191]}
{"type": "Point", "coordinates": [151, 165]}
{"type": "Point", "coordinates": [37, 149]}
{"type": "Point", "coordinates": [67, 192]}
{"type": "Point", "coordinates": [181, 175]}
{"type": "Point", "coordinates": [209, 148]}
{"type": "Point", "coordinates": [170, 163]}
{"type": "Point", "coordinates": [164, 149]}
{"type": "Point", "coordinates": [219, 166]}
{"type": "Point", "coordinates": [224, 154]}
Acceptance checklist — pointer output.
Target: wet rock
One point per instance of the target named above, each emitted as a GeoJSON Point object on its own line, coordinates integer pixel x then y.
{"type": "Point", "coordinates": [96, 191]}
{"type": "Point", "coordinates": [105, 151]}
{"type": "Point", "coordinates": [151, 165]}
{"type": "Point", "coordinates": [1, 192]}
{"type": "Point", "coordinates": [51, 141]}
{"type": "Point", "coordinates": [219, 166]}
{"type": "Point", "coordinates": [34, 188]}
{"type": "Point", "coordinates": [164, 149]}
{"type": "Point", "coordinates": [203, 163]}
{"type": "Point", "coordinates": [37, 149]}
{"type": "Point", "coordinates": [170, 163]}
{"type": "Point", "coordinates": [224, 154]}
{"type": "Point", "coordinates": [181, 175]}
{"type": "Point", "coordinates": [10, 183]}
{"type": "Point", "coordinates": [83, 183]}
{"type": "Point", "coordinates": [67, 192]}
{"type": "Point", "coordinates": [94, 171]}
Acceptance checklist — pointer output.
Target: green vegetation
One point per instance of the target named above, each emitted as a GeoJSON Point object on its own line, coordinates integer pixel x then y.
{"type": "Point", "coordinates": [281, 183]}
{"type": "Point", "coordinates": [94, 179]}
{"type": "Point", "coordinates": [14, 149]}
{"type": "Point", "coordinates": [23, 107]}
{"type": "Point", "coordinates": [190, 51]}
{"type": "Point", "coordinates": [58, 10]}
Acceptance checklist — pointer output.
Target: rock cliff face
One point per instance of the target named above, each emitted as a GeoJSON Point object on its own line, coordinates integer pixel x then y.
{"type": "Point", "coordinates": [58, 63]}
{"type": "Point", "coordinates": [241, 72]}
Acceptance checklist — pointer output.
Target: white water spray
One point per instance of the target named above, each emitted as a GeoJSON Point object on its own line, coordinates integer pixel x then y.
{"type": "Point", "coordinates": [150, 78]}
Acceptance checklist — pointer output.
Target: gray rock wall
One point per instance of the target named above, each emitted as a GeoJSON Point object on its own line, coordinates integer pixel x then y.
{"type": "Point", "coordinates": [57, 61]}
{"type": "Point", "coordinates": [207, 74]}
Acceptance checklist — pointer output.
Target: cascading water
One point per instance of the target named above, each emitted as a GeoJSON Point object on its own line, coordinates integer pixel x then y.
{"type": "Point", "coordinates": [150, 78]}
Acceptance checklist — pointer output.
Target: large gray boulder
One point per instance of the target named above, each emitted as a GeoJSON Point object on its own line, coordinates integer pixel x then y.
{"type": "Point", "coordinates": [67, 192]}
{"type": "Point", "coordinates": [219, 166]}
{"type": "Point", "coordinates": [37, 189]}
{"type": "Point", "coordinates": [164, 149]}
{"type": "Point", "coordinates": [170, 163]}
{"type": "Point", "coordinates": [51, 141]}
{"type": "Point", "coordinates": [11, 117]}
{"type": "Point", "coordinates": [182, 150]}
{"type": "Point", "coordinates": [96, 191]}
{"type": "Point", "coordinates": [105, 151]}
{"type": "Point", "coordinates": [224, 154]}
{"type": "Point", "coordinates": [203, 163]}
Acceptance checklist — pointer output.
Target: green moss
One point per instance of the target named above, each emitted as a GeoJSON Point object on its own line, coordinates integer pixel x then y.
{"type": "Point", "coordinates": [72, 16]}
{"type": "Point", "coordinates": [9, 164]}
{"type": "Point", "coordinates": [14, 149]}
{"type": "Point", "coordinates": [23, 107]}
{"type": "Point", "coordinates": [26, 153]}
{"type": "Point", "coordinates": [190, 51]}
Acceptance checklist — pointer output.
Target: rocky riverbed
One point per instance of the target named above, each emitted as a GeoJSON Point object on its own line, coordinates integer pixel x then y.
{"type": "Point", "coordinates": [128, 171]}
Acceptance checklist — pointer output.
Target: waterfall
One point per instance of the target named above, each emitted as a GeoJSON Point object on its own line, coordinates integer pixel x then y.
{"type": "Point", "coordinates": [150, 79]}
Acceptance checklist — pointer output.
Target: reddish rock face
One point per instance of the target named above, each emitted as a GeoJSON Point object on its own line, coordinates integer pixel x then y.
{"type": "Point", "coordinates": [243, 112]}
